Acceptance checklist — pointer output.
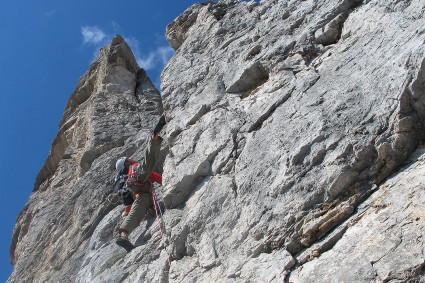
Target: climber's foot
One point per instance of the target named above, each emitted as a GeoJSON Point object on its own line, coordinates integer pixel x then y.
{"type": "Point", "coordinates": [125, 243]}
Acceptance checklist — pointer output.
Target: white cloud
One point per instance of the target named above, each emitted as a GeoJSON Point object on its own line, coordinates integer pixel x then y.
{"type": "Point", "coordinates": [115, 26]}
{"type": "Point", "coordinates": [148, 62]}
{"type": "Point", "coordinates": [157, 58]}
{"type": "Point", "coordinates": [92, 35]}
{"type": "Point", "coordinates": [165, 53]}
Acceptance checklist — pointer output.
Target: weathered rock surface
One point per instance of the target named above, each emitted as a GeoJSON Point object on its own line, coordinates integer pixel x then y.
{"type": "Point", "coordinates": [383, 241]}
{"type": "Point", "coordinates": [289, 114]}
{"type": "Point", "coordinates": [110, 114]}
{"type": "Point", "coordinates": [285, 123]}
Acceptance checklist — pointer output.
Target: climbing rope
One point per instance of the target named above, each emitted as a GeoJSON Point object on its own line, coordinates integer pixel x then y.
{"type": "Point", "coordinates": [159, 224]}
{"type": "Point", "coordinates": [159, 207]}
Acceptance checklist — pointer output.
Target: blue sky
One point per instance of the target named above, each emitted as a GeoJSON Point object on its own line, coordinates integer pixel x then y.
{"type": "Point", "coordinates": [46, 46]}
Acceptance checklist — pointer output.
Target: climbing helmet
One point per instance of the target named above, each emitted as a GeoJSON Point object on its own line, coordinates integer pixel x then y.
{"type": "Point", "coordinates": [120, 163]}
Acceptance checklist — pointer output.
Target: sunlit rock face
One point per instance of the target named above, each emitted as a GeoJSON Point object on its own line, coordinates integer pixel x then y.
{"type": "Point", "coordinates": [284, 118]}
{"type": "Point", "coordinates": [293, 152]}
{"type": "Point", "coordinates": [110, 114]}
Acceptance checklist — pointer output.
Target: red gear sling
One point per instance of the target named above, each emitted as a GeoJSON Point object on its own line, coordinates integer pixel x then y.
{"type": "Point", "coordinates": [154, 177]}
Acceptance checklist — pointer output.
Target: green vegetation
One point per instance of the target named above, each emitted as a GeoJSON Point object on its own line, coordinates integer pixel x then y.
{"type": "Point", "coordinates": [110, 262]}
{"type": "Point", "coordinates": [56, 267]}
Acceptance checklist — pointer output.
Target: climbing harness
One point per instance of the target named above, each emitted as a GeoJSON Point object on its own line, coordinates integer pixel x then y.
{"type": "Point", "coordinates": [154, 177]}
{"type": "Point", "coordinates": [155, 203]}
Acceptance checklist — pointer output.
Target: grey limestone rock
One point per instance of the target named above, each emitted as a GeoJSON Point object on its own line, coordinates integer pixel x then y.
{"type": "Point", "coordinates": [299, 108]}
{"type": "Point", "coordinates": [292, 153]}
{"type": "Point", "coordinates": [110, 114]}
{"type": "Point", "coordinates": [383, 241]}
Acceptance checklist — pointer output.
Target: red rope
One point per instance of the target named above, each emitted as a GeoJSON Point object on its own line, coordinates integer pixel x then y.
{"type": "Point", "coordinates": [159, 224]}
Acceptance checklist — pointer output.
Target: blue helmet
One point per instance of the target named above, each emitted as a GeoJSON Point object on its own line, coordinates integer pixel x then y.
{"type": "Point", "coordinates": [120, 163]}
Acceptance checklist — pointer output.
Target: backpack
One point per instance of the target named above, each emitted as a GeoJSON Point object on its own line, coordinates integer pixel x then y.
{"type": "Point", "coordinates": [123, 183]}
{"type": "Point", "coordinates": [121, 188]}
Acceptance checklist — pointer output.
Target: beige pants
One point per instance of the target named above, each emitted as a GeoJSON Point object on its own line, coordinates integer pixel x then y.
{"type": "Point", "coordinates": [138, 210]}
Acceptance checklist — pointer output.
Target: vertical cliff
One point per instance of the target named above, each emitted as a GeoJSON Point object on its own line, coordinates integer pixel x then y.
{"type": "Point", "coordinates": [110, 114]}
{"type": "Point", "coordinates": [294, 151]}
{"type": "Point", "coordinates": [290, 115]}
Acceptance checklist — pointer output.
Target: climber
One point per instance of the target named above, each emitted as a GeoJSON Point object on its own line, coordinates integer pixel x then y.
{"type": "Point", "coordinates": [124, 191]}
{"type": "Point", "coordinates": [139, 180]}
{"type": "Point", "coordinates": [122, 187]}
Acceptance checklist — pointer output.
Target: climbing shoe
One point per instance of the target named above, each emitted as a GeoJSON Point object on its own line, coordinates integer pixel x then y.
{"type": "Point", "coordinates": [125, 243]}
{"type": "Point", "coordinates": [161, 123]}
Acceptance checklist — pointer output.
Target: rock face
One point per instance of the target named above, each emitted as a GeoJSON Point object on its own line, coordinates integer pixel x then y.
{"type": "Point", "coordinates": [383, 240]}
{"type": "Point", "coordinates": [294, 152]}
{"type": "Point", "coordinates": [110, 114]}
{"type": "Point", "coordinates": [291, 114]}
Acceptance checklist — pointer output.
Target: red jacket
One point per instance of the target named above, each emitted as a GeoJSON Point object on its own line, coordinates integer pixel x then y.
{"type": "Point", "coordinates": [154, 177]}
